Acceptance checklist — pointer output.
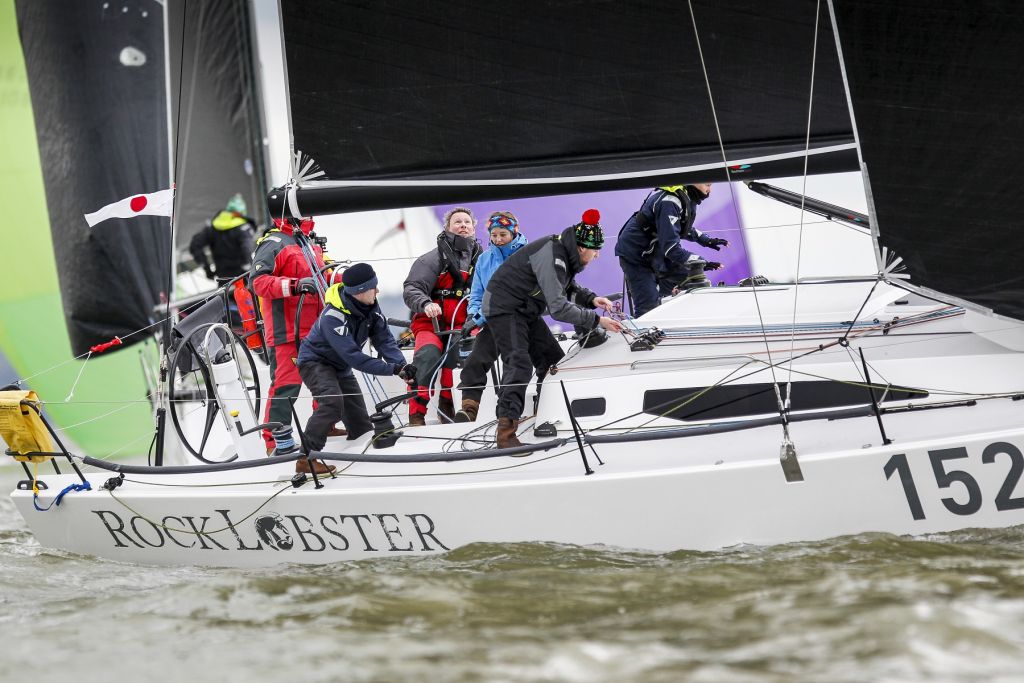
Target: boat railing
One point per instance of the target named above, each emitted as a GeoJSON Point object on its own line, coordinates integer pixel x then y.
{"type": "Point", "coordinates": [590, 439]}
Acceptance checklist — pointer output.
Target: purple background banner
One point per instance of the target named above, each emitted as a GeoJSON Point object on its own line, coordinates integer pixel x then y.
{"type": "Point", "coordinates": [541, 216]}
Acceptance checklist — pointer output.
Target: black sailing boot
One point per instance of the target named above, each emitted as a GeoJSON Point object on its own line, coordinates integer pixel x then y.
{"type": "Point", "coordinates": [446, 410]}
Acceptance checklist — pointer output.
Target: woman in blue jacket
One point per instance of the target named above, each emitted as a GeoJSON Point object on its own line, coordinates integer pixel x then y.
{"type": "Point", "coordinates": [506, 239]}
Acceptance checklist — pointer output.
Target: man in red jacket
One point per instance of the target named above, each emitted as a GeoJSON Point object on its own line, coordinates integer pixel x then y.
{"type": "Point", "coordinates": [280, 277]}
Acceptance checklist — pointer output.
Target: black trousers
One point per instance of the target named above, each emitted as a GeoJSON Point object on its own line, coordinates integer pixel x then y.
{"type": "Point", "coordinates": [338, 397]}
{"type": "Point", "coordinates": [473, 378]}
{"type": "Point", "coordinates": [646, 288]}
{"type": "Point", "coordinates": [524, 343]}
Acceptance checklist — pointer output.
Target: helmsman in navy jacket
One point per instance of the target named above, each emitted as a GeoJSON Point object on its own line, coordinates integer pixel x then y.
{"type": "Point", "coordinates": [334, 347]}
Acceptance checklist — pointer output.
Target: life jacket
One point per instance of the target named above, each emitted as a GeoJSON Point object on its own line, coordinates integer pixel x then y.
{"type": "Point", "coordinates": [450, 291]}
{"type": "Point", "coordinates": [247, 312]}
{"type": "Point", "coordinates": [452, 283]}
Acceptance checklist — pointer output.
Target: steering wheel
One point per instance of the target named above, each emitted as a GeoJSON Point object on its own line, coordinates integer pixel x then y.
{"type": "Point", "coordinates": [187, 352]}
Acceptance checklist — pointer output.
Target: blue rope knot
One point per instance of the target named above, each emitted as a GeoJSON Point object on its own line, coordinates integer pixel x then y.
{"type": "Point", "coordinates": [84, 486]}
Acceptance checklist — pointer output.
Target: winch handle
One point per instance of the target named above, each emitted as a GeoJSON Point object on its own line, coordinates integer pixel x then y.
{"type": "Point", "coordinates": [396, 322]}
{"type": "Point", "coordinates": [394, 400]}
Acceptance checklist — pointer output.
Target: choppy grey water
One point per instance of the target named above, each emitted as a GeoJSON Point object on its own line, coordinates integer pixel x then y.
{"type": "Point", "coordinates": [864, 608]}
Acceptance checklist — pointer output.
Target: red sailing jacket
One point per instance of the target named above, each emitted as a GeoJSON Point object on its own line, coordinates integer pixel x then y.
{"type": "Point", "coordinates": [430, 281]}
{"type": "Point", "coordinates": [277, 266]}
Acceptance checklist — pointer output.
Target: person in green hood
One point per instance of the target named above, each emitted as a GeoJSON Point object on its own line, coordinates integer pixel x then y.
{"type": "Point", "coordinates": [230, 238]}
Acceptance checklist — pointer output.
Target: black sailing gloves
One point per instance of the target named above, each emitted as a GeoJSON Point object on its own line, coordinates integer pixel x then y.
{"type": "Point", "coordinates": [715, 243]}
{"type": "Point", "coordinates": [304, 286]}
{"type": "Point", "coordinates": [406, 372]}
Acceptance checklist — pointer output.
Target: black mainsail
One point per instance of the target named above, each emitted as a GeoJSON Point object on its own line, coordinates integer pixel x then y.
{"type": "Point", "coordinates": [405, 104]}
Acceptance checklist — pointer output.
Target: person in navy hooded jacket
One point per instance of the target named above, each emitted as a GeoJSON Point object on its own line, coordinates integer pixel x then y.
{"type": "Point", "coordinates": [503, 228]}
{"type": "Point", "coordinates": [334, 347]}
{"type": "Point", "coordinates": [650, 246]}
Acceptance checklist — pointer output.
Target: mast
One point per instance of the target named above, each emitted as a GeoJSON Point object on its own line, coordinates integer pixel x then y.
{"type": "Point", "coordinates": [276, 104]}
{"type": "Point", "coordinates": [872, 214]}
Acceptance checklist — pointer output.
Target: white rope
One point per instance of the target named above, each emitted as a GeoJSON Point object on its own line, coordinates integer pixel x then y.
{"type": "Point", "coordinates": [71, 392]}
{"type": "Point", "coordinates": [111, 454]}
{"type": "Point", "coordinates": [98, 417]}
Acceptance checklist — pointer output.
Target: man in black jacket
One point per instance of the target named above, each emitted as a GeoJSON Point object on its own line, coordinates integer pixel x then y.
{"type": "Point", "coordinates": [538, 278]}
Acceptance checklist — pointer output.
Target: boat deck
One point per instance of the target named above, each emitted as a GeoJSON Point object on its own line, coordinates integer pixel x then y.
{"type": "Point", "coordinates": [813, 439]}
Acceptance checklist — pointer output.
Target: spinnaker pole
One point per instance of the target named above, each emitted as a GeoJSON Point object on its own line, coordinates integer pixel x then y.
{"type": "Point", "coordinates": [816, 206]}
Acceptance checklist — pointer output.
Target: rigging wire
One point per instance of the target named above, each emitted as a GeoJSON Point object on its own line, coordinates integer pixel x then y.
{"type": "Point", "coordinates": [728, 176]}
{"type": "Point", "coordinates": [888, 344]}
{"type": "Point", "coordinates": [174, 171]}
{"type": "Point", "coordinates": [71, 393]}
{"type": "Point", "coordinates": [726, 379]}
{"type": "Point", "coordinates": [872, 329]}
{"type": "Point", "coordinates": [803, 197]}
{"type": "Point", "coordinates": [286, 486]}
{"type": "Point", "coordinates": [97, 417]}
{"type": "Point", "coordinates": [867, 330]}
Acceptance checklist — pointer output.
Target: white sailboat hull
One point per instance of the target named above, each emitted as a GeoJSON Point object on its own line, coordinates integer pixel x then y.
{"type": "Point", "coordinates": [955, 459]}
{"type": "Point", "coordinates": [657, 496]}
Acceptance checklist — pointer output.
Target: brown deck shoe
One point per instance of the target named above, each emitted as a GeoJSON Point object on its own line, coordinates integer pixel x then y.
{"type": "Point", "coordinates": [506, 434]}
{"type": "Point", "coordinates": [469, 411]}
{"type": "Point", "coordinates": [302, 467]}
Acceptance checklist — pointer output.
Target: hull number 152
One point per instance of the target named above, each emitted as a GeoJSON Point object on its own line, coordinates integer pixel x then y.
{"type": "Point", "coordinates": [946, 476]}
